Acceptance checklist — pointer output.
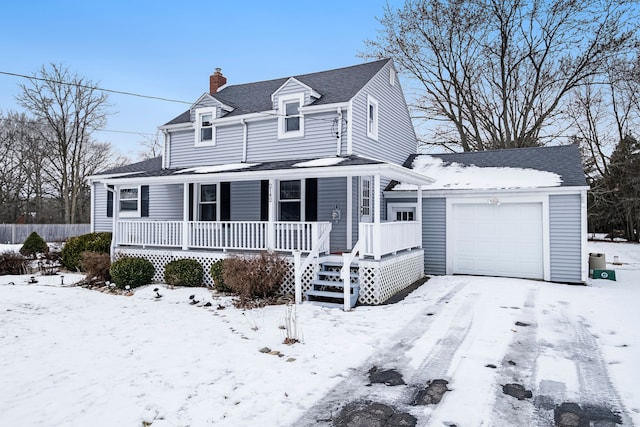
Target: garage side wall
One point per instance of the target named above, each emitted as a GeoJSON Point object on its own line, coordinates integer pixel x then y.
{"type": "Point", "coordinates": [434, 235]}
{"type": "Point", "coordinates": [565, 238]}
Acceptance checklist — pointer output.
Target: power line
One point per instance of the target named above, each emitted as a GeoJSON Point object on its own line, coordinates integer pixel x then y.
{"type": "Point", "coordinates": [120, 92]}
{"type": "Point", "coordinates": [147, 96]}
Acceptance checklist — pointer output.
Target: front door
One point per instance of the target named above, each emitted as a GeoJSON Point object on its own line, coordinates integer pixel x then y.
{"type": "Point", "coordinates": [365, 199]}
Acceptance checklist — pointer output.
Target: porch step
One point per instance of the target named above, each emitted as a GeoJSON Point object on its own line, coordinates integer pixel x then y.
{"type": "Point", "coordinates": [328, 290]}
{"type": "Point", "coordinates": [336, 273]}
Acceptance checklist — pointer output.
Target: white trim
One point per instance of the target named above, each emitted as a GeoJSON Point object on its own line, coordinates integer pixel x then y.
{"type": "Point", "coordinates": [583, 225]}
{"type": "Point", "coordinates": [209, 97]}
{"type": "Point", "coordinates": [198, 127]}
{"type": "Point", "coordinates": [129, 214]}
{"type": "Point", "coordinates": [542, 199]}
{"type": "Point", "coordinates": [401, 206]}
{"type": "Point", "coordinates": [282, 117]}
{"type": "Point", "coordinates": [312, 91]}
{"type": "Point", "coordinates": [393, 75]}
{"type": "Point", "coordinates": [397, 194]}
{"type": "Point", "coordinates": [166, 149]}
{"type": "Point", "coordinates": [92, 219]}
{"type": "Point", "coordinates": [301, 200]}
{"type": "Point", "coordinates": [350, 128]}
{"type": "Point", "coordinates": [373, 121]}
{"type": "Point", "coordinates": [349, 212]}
{"type": "Point", "coordinates": [100, 178]}
{"type": "Point", "coordinates": [197, 198]}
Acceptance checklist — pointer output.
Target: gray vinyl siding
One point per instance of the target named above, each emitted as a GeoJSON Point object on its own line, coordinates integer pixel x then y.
{"type": "Point", "coordinates": [100, 220]}
{"type": "Point", "coordinates": [565, 237]}
{"type": "Point", "coordinates": [318, 141]}
{"type": "Point", "coordinates": [332, 192]}
{"type": "Point", "coordinates": [434, 235]}
{"type": "Point", "coordinates": [396, 135]}
{"type": "Point", "coordinates": [165, 204]}
{"type": "Point", "coordinates": [245, 201]}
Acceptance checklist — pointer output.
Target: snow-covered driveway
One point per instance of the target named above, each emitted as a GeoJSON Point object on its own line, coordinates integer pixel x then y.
{"type": "Point", "coordinates": [70, 356]}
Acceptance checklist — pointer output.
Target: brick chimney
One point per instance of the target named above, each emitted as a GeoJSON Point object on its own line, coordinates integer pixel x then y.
{"type": "Point", "coordinates": [216, 81]}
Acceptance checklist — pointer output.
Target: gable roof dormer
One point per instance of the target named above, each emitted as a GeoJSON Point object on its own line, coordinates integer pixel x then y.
{"type": "Point", "coordinates": [207, 100]}
{"type": "Point", "coordinates": [293, 85]}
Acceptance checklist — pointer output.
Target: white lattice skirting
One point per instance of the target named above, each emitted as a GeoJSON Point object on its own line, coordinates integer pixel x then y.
{"type": "Point", "coordinates": [160, 258]}
{"type": "Point", "coordinates": [380, 280]}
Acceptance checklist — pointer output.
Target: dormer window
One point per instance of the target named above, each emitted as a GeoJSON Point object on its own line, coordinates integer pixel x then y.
{"type": "Point", "coordinates": [372, 118]}
{"type": "Point", "coordinates": [205, 132]}
{"type": "Point", "coordinates": [290, 121]}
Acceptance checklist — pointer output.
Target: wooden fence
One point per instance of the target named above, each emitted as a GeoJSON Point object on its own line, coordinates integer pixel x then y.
{"type": "Point", "coordinates": [17, 233]}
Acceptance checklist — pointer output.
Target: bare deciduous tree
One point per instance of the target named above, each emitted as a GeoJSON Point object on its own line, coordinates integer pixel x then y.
{"type": "Point", "coordinates": [68, 107]}
{"type": "Point", "coordinates": [495, 73]}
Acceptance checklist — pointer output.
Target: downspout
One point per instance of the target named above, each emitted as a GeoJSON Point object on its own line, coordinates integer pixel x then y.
{"type": "Point", "coordinates": [339, 133]}
{"type": "Point", "coordinates": [350, 128]}
{"type": "Point", "coordinates": [245, 135]}
{"type": "Point", "coordinates": [114, 225]}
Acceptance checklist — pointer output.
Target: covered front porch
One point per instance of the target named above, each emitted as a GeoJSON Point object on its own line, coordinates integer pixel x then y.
{"type": "Point", "coordinates": [337, 212]}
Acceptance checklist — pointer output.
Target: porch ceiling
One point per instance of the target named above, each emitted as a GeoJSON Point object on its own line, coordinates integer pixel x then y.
{"type": "Point", "coordinates": [290, 169]}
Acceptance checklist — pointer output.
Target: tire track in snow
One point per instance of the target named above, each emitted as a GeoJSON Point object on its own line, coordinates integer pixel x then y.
{"type": "Point", "coordinates": [355, 386]}
{"type": "Point", "coordinates": [522, 351]}
{"type": "Point", "coordinates": [594, 386]}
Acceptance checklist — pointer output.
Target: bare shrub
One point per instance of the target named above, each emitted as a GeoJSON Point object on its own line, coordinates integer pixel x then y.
{"type": "Point", "coordinates": [12, 263]}
{"type": "Point", "coordinates": [96, 264]}
{"type": "Point", "coordinates": [255, 277]}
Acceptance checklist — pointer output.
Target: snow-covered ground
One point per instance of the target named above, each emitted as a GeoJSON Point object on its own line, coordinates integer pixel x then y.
{"type": "Point", "coordinates": [72, 357]}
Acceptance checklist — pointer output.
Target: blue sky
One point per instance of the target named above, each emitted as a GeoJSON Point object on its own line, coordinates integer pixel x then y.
{"type": "Point", "coordinates": [169, 49]}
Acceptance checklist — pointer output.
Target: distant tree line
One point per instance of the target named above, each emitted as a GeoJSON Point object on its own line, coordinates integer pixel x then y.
{"type": "Point", "coordinates": [47, 153]}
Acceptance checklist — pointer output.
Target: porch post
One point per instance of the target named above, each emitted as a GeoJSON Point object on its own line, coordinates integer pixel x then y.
{"type": "Point", "coordinates": [115, 234]}
{"type": "Point", "coordinates": [297, 274]}
{"type": "Point", "coordinates": [419, 212]}
{"type": "Point", "coordinates": [185, 216]}
{"type": "Point", "coordinates": [349, 212]}
{"type": "Point", "coordinates": [271, 226]}
{"type": "Point", "coordinates": [377, 229]}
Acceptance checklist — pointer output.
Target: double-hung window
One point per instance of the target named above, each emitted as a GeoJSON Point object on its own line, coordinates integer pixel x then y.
{"type": "Point", "coordinates": [208, 202]}
{"type": "Point", "coordinates": [290, 121]}
{"type": "Point", "coordinates": [130, 201]}
{"type": "Point", "coordinates": [372, 117]}
{"type": "Point", "coordinates": [290, 199]}
{"type": "Point", "coordinates": [205, 132]}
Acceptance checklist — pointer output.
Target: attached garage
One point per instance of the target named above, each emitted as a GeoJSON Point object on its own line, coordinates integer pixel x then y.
{"type": "Point", "coordinates": [497, 239]}
{"type": "Point", "coordinates": [506, 213]}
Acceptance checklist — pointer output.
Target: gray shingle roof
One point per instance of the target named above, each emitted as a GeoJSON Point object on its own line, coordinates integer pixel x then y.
{"type": "Point", "coordinates": [563, 160]}
{"type": "Point", "coordinates": [152, 168]}
{"type": "Point", "coordinates": [150, 165]}
{"type": "Point", "coordinates": [339, 85]}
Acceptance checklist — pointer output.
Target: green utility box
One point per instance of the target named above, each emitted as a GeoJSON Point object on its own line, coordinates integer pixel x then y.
{"type": "Point", "coordinates": [604, 274]}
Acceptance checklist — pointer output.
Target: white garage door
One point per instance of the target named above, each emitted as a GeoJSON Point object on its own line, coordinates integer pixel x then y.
{"type": "Point", "coordinates": [498, 240]}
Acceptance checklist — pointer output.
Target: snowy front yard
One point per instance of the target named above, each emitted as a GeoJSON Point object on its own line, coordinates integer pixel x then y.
{"type": "Point", "coordinates": [71, 356]}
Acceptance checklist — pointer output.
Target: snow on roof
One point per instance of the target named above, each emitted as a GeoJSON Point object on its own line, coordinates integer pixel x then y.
{"type": "Point", "coordinates": [218, 168]}
{"type": "Point", "coordinates": [327, 161]}
{"type": "Point", "coordinates": [457, 176]}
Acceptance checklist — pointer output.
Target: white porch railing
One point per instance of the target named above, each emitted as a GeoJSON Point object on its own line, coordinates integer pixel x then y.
{"type": "Point", "coordinates": [234, 235]}
{"type": "Point", "coordinates": [149, 233]}
{"type": "Point", "coordinates": [385, 238]}
{"type": "Point", "coordinates": [228, 235]}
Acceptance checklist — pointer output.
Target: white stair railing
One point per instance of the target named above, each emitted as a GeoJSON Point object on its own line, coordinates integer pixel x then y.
{"type": "Point", "coordinates": [345, 274]}
{"type": "Point", "coordinates": [321, 244]}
